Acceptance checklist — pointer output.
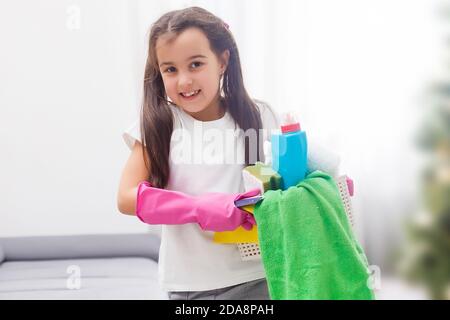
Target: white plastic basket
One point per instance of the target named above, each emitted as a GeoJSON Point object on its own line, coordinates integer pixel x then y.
{"type": "Point", "coordinates": [251, 252]}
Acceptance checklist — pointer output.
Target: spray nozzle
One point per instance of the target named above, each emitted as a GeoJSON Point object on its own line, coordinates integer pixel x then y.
{"type": "Point", "coordinates": [289, 122]}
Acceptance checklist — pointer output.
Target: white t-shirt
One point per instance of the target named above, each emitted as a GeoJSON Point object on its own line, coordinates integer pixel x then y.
{"type": "Point", "coordinates": [204, 157]}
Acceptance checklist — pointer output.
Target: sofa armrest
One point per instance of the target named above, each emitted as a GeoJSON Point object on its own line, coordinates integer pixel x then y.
{"type": "Point", "coordinates": [2, 255]}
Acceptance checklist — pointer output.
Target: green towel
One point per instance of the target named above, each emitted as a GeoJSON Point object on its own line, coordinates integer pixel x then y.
{"type": "Point", "coordinates": [307, 245]}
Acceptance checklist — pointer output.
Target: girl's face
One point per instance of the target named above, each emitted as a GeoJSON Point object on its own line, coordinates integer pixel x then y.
{"type": "Point", "coordinates": [191, 73]}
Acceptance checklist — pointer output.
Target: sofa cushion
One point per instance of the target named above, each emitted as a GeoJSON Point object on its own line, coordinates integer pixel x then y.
{"type": "Point", "coordinates": [80, 247]}
{"type": "Point", "coordinates": [112, 278]}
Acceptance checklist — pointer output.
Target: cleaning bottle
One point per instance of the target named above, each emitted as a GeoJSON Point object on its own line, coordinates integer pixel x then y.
{"type": "Point", "coordinates": [289, 151]}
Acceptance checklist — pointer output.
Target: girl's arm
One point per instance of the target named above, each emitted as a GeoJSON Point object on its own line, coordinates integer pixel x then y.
{"type": "Point", "coordinates": [133, 173]}
{"type": "Point", "coordinates": [212, 211]}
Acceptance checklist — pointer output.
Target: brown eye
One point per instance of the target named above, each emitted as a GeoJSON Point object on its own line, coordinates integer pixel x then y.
{"type": "Point", "coordinates": [170, 70]}
{"type": "Point", "coordinates": [197, 63]}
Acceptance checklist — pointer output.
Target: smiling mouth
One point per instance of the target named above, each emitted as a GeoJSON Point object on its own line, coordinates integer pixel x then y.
{"type": "Point", "coordinates": [190, 94]}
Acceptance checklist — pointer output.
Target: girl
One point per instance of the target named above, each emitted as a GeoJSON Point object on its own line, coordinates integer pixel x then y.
{"type": "Point", "coordinates": [198, 129]}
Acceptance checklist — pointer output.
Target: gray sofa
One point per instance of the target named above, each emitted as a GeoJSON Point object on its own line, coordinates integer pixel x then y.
{"type": "Point", "coordinates": [117, 266]}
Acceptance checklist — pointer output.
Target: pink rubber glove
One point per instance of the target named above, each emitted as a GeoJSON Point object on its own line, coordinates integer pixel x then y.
{"type": "Point", "coordinates": [212, 211]}
{"type": "Point", "coordinates": [350, 186]}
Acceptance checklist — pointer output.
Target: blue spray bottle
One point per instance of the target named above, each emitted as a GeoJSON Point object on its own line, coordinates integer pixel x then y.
{"type": "Point", "coordinates": [289, 151]}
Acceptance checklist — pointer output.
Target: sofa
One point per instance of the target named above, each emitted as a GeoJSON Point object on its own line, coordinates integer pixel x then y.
{"type": "Point", "coordinates": [85, 267]}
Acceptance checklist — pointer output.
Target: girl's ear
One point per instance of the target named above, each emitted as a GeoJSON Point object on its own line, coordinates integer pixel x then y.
{"type": "Point", "coordinates": [224, 58]}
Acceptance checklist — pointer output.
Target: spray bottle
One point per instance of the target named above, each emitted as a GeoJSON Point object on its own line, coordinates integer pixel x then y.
{"type": "Point", "coordinates": [289, 151]}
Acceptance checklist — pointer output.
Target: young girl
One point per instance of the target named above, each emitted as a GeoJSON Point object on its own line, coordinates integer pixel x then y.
{"type": "Point", "coordinates": [198, 129]}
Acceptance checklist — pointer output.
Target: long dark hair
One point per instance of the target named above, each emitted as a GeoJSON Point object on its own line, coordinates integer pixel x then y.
{"type": "Point", "coordinates": [156, 116]}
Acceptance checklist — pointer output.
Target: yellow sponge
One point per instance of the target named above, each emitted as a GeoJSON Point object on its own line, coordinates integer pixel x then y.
{"type": "Point", "coordinates": [261, 176]}
{"type": "Point", "coordinates": [240, 235]}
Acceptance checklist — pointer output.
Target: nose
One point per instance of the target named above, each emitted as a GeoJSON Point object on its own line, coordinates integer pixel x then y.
{"type": "Point", "coordinates": [184, 82]}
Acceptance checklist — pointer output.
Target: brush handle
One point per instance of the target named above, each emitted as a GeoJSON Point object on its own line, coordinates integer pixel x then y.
{"type": "Point", "coordinates": [248, 201]}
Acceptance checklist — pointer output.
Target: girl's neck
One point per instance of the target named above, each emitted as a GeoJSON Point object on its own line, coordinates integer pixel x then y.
{"type": "Point", "coordinates": [216, 110]}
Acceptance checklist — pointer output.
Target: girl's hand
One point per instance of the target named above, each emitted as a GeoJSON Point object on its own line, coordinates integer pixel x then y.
{"type": "Point", "coordinates": [217, 211]}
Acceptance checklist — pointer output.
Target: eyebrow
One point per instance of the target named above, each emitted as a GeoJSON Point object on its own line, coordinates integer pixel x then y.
{"type": "Point", "coordinates": [190, 58]}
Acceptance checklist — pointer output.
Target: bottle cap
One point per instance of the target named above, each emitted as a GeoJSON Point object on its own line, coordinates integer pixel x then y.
{"type": "Point", "coordinates": [289, 123]}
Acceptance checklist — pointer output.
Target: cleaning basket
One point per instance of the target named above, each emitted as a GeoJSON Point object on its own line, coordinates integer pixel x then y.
{"type": "Point", "coordinates": [250, 251]}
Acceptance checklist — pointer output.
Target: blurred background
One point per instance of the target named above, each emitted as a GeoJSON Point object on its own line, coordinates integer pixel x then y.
{"type": "Point", "coordinates": [369, 79]}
